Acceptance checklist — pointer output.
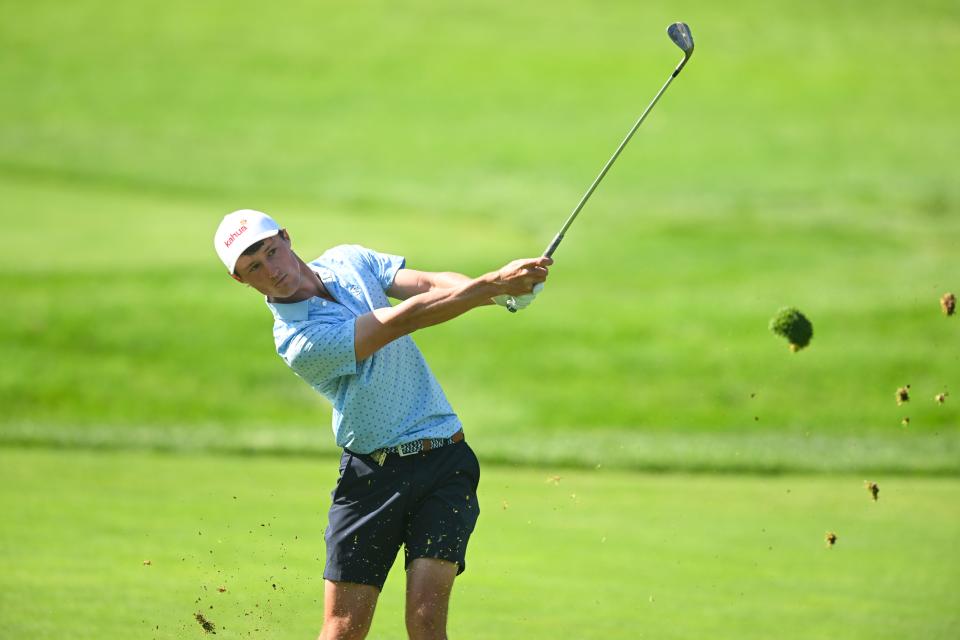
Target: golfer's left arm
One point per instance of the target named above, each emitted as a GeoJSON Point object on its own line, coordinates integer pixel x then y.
{"type": "Point", "coordinates": [410, 282]}
{"type": "Point", "coordinates": [433, 306]}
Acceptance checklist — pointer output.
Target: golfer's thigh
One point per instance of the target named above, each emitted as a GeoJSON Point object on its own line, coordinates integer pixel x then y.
{"type": "Point", "coordinates": [348, 605]}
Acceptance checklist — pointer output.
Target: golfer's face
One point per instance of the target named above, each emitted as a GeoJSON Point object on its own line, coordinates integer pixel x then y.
{"type": "Point", "coordinates": [273, 270]}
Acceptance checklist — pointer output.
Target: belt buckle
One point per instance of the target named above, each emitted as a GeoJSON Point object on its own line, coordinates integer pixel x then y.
{"type": "Point", "coordinates": [379, 456]}
{"type": "Point", "coordinates": [403, 450]}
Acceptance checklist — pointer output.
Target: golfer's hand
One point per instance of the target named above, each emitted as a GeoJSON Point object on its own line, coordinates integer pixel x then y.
{"type": "Point", "coordinates": [519, 277]}
{"type": "Point", "coordinates": [519, 302]}
{"type": "Point", "coordinates": [524, 301]}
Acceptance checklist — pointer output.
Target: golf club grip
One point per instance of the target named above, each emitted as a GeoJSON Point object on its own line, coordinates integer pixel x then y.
{"type": "Point", "coordinates": [553, 245]}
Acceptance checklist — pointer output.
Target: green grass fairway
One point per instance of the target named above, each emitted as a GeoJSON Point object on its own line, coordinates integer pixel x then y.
{"type": "Point", "coordinates": [592, 554]}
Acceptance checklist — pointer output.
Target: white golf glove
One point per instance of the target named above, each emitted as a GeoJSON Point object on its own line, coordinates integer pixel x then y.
{"type": "Point", "coordinates": [519, 302]}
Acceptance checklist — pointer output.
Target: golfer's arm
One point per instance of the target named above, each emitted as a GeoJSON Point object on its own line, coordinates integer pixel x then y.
{"type": "Point", "coordinates": [381, 326]}
{"type": "Point", "coordinates": [410, 282]}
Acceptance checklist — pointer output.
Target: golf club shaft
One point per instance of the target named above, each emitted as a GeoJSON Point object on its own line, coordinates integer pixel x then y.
{"type": "Point", "coordinates": [566, 225]}
{"type": "Point", "coordinates": [679, 33]}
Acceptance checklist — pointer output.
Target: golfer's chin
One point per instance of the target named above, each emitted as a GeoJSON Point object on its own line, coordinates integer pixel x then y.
{"type": "Point", "coordinates": [283, 289]}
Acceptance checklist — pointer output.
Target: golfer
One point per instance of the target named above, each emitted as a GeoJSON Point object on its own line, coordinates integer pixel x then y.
{"type": "Point", "coordinates": [407, 476]}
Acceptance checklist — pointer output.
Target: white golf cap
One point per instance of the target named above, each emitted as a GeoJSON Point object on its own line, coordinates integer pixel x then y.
{"type": "Point", "coordinates": [239, 230]}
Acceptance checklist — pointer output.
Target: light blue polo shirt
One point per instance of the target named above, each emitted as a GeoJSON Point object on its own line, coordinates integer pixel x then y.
{"type": "Point", "coordinates": [390, 397]}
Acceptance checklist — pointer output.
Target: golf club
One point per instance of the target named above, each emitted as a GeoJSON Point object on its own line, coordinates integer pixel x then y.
{"type": "Point", "coordinates": [679, 32]}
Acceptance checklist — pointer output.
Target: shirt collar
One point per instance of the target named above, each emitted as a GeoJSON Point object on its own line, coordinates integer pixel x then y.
{"type": "Point", "coordinates": [290, 312]}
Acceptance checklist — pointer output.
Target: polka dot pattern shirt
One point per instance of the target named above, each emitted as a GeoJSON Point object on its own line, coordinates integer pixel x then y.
{"type": "Point", "coordinates": [384, 400]}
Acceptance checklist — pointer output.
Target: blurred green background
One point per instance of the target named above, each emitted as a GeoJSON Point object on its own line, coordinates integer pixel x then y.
{"type": "Point", "coordinates": [805, 157]}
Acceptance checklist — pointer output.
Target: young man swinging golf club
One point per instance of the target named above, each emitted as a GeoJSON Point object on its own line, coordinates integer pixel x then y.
{"type": "Point", "coordinates": [407, 476]}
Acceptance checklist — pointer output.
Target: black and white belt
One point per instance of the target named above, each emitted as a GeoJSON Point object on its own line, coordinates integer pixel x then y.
{"type": "Point", "coordinates": [414, 447]}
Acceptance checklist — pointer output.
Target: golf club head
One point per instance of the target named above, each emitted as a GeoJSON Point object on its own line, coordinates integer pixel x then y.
{"type": "Point", "coordinates": [679, 32]}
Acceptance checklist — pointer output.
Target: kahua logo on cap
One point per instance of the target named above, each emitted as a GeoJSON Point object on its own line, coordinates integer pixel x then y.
{"type": "Point", "coordinates": [236, 234]}
{"type": "Point", "coordinates": [239, 230]}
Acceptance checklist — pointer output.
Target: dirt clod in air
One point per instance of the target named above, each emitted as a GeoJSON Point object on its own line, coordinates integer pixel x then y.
{"type": "Point", "coordinates": [554, 479]}
{"type": "Point", "coordinates": [147, 562]}
{"type": "Point", "coordinates": [903, 395]}
{"type": "Point", "coordinates": [941, 397]}
{"type": "Point", "coordinates": [906, 421]}
{"type": "Point", "coordinates": [948, 303]}
{"type": "Point", "coordinates": [221, 589]}
{"type": "Point", "coordinates": [206, 624]}
{"type": "Point", "coordinates": [873, 488]}
{"type": "Point", "coordinates": [831, 539]}
{"type": "Point", "coordinates": [794, 326]}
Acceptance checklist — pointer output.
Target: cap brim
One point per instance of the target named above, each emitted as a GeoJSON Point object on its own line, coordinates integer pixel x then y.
{"type": "Point", "coordinates": [251, 241]}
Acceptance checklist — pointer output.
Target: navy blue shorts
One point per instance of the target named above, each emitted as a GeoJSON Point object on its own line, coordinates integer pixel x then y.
{"type": "Point", "coordinates": [426, 502]}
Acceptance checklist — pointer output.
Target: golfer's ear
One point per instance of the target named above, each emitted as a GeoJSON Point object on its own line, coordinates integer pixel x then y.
{"type": "Point", "coordinates": [284, 235]}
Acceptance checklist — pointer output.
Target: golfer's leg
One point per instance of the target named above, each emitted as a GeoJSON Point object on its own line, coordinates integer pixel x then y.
{"type": "Point", "coordinates": [429, 583]}
{"type": "Point", "coordinates": [364, 532]}
{"type": "Point", "coordinates": [347, 610]}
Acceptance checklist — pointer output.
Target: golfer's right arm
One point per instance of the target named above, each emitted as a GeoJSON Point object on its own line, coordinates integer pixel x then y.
{"type": "Point", "coordinates": [381, 326]}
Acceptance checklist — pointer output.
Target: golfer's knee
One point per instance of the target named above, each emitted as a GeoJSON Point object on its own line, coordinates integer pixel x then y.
{"type": "Point", "coordinates": [343, 628]}
{"type": "Point", "coordinates": [426, 622]}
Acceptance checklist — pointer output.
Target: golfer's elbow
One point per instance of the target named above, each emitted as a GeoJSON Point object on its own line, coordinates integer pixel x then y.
{"type": "Point", "coordinates": [377, 329]}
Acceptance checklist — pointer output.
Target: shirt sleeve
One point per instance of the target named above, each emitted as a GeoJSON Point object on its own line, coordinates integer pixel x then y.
{"type": "Point", "coordinates": [321, 351]}
{"type": "Point", "coordinates": [384, 266]}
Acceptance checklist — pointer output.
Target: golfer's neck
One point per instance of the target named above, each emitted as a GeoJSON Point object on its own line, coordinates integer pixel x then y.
{"type": "Point", "coordinates": [310, 286]}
